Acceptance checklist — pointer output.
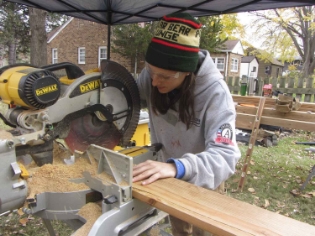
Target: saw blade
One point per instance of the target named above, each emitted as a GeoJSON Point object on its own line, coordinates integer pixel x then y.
{"type": "Point", "coordinates": [89, 129]}
{"type": "Point", "coordinates": [119, 96]}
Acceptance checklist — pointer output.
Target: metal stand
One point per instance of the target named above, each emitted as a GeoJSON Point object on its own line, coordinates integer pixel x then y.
{"type": "Point", "coordinates": [308, 178]}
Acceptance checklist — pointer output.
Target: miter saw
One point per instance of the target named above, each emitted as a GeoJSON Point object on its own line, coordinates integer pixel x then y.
{"type": "Point", "coordinates": [92, 112]}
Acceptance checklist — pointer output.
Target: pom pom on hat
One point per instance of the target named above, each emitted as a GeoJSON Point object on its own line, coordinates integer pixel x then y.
{"type": "Point", "coordinates": [175, 44]}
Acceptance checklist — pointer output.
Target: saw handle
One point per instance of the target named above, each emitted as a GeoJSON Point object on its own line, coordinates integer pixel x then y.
{"type": "Point", "coordinates": [73, 71]}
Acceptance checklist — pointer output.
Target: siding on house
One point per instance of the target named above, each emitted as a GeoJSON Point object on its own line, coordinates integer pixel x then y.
{"type": "Point", "coordinates": [249, 66]}
{"type": "Point", "coordinates": [232, 55]}
{"type": "Point", "coordinates": [227, 71]}
{"type": "Point", "coordinates": [275, 69]}
{"type": "Point", "coordinates": [75, 34]}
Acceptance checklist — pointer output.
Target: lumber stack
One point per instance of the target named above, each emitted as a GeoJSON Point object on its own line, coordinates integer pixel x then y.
{"type": "Point", "coordinates": [246, 108]}
{"type": "Point", "coordinates": [217, 213]}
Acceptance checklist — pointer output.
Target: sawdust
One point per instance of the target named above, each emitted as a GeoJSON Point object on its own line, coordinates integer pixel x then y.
{"type": "Point", "coordinates": [60, 153]}
{"type": "Point", "coordinates": [90, 212]}
{"type": "Point", "coordinates": [56, 177]}
{"type": "Point", "coordinates": [155, 231]}
{"type": "Point", "coordinates": [5, 135]}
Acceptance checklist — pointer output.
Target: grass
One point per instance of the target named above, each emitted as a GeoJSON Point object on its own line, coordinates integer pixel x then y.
{"type": "Point", "coordinates": [274, 175]}
{"type": "Point", "coordinates": [3, 108]}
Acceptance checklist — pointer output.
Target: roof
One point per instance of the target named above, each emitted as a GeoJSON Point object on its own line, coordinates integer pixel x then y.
{"type": "Point", "coordinates": [113, 12]}
{"type": "Point", "coordinates": [248, 59]}
{"type": "Point", "coordinates": [272, 61]}
{"type": "Point", "coordinates": [229, 45]}
{"type": "Point", "coordinates": [52, 34]}
{"type": "Point", "coordinates": [276, 62]}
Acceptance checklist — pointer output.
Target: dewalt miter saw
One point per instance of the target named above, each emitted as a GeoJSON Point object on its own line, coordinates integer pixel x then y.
{"type": "Point", "coordinates": [92, 112]}
{"type": "Point", "coordinates": [94, 108]}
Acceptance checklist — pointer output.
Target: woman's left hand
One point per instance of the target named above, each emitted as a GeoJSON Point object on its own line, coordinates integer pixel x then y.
{"type": "Point", "coordinates": [150, 171]}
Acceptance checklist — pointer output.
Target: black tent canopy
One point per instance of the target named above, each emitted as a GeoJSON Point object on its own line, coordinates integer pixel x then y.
{"type": "Point", "coordinates": [114, 12]}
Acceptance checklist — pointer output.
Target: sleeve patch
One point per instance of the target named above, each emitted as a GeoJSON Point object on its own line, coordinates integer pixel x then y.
{"type": "Point", "coordinates": [225, 135]}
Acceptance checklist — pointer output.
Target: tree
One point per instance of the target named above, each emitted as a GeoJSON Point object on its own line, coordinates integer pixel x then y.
{"type": "Point", "coordinates": [37, 20]}
{"type": "Point", "coordinates": [42, 22]}
{"type": "Point", "coordinates": [218, 29]}
{"type": "Point", "coordinates": [289, 32]}
{"type": "Point", "coordinates": [210, 34]}
{"type": "Point", "coordinates": [132, 40]}
{"type": "Point", "coordinates": [14, 29]}
{"type": "Point", "coordinates": [17, 23]}
{"type": "Point", "coordinates": [54, 20]}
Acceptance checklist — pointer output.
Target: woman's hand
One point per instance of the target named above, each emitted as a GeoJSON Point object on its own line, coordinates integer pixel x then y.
{"type": "Point", "coordinates": [150, 171]}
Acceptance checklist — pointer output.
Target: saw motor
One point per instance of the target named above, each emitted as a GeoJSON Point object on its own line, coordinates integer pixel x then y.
{"type": "Point", "coordinates": [29, 87]}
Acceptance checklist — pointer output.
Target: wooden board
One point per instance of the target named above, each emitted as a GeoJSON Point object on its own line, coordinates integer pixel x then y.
{"type": "Point", "coordinates": [217, 213]}
{"type": "Point", "coordinates": [270, 102]}
{"type": "Point", "coordinates": [246, 108]}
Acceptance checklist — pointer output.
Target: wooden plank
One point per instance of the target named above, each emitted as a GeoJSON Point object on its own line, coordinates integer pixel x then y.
{"type": "Point", "coordinates": [216, 213]}
{"type": "Point", "coordinates": [251, 143]}
{"type": "Point", "coordinates": [244, 121]}
{"type": "Point", "coordinates": [270, 112]}
{"type": "Point", "coordinates": [270, 102]}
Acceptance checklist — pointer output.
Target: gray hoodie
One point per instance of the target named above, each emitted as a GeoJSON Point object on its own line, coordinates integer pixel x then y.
{"type": "Point", "coordinates": [208, 149]}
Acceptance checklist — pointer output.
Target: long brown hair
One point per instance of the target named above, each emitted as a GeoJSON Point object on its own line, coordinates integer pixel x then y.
{"type": "Point", "coordinates": [185, 95]}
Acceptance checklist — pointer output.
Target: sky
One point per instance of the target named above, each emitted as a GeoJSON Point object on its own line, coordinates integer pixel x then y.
{"type": "Point", "coordinates": [245, 19]}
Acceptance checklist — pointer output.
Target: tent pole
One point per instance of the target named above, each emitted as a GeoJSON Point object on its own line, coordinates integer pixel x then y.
{"type": "Point", "coordinates": [109, 22]}
{"type": "Point", "coordinates": [108, 41]}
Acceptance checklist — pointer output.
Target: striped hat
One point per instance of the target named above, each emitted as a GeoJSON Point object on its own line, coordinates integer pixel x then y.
{"type": "Point", "coordinates": [175, 44]}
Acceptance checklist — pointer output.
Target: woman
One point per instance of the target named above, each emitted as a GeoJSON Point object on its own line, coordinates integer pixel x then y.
{"type": "Point", "coordinates": [191, 110]}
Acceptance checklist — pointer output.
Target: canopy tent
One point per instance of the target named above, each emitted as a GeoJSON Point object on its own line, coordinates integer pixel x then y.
{"type": "Point", "coordinates": [113, 12]}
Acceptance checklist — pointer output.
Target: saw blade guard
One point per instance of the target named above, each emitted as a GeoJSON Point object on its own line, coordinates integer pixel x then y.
{"type": "Point", "coordinates": [120, 91]}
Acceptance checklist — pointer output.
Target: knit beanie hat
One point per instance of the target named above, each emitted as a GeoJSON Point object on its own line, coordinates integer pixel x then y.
{"type": "Point", "coordinates": [175, 44]}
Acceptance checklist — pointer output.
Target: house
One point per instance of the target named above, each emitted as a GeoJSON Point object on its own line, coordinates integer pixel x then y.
{"type": "Point", "coordinates": [270, 68]}
{"type": "Point", "coordinates": [228, 60]}
{"type": "Point", "coordinates": [249, 66]}
{"type": "Point", "coordinates": [81, 42]}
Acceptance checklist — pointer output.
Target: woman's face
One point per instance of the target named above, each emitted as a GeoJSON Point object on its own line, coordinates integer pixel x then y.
{"type": "Point", "coordinates": [165, 80]}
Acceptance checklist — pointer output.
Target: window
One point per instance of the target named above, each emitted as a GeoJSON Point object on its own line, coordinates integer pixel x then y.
{"type": "Point", "coordinates": [267, 70]}
{"type": "Point", "coordinates": [54, 55]}
{"type": "Point", "coordinates": [102, 54]}
{"type": "Point", "coordinates": [219, 62]}
{"type": "Point", "coordinates": [254, 69]}
{"type": "Point", "coordinates": [81, 55]}
{"type": "Point", "coordinates": [234, 65]}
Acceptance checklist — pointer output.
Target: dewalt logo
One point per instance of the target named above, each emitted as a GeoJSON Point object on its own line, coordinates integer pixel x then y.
{"type": "Point", "coordinates": [47, 89]}
{"type": "Point", "coordinates": [95, 84]}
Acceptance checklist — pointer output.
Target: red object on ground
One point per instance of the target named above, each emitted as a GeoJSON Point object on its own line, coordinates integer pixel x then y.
{"type": "Point", "coordinates": [267, 90]}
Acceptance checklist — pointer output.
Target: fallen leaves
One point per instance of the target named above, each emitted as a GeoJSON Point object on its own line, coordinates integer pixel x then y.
{"type": "Point", "coordinates": [23, 221]}
{"type": "Point", "coordinates": [267, 204]}
{"type": "Point", "coordinates": [297, 193]}
{"type": "Point", "coordinates": [251, 190]}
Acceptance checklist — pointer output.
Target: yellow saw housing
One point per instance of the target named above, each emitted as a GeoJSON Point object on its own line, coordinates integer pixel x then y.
{"type": "Point", "coordinates": [29, 87]}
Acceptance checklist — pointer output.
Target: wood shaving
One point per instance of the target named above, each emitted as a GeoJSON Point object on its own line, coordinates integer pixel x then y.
{"type": "Point", "coordinates": [5, 135]}
{"type": "Point", "coordinates": [57, 177]}
{"type": "Point", "coordinates": [155, 231]}
{"type": "Point", "coordinates": [91, 212]}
